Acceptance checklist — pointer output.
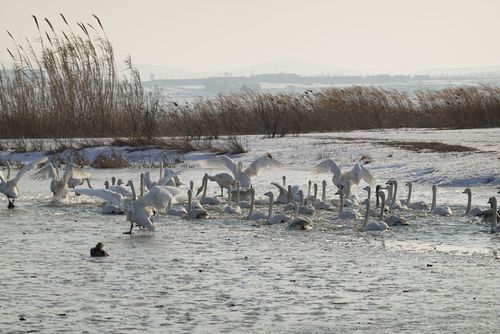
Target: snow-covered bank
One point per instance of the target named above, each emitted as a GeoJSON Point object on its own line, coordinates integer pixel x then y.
{"type": "Point", "coordinates": [471, 168]}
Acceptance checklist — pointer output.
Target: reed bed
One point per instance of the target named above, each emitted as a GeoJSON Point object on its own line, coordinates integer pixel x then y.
{"type": "Point", "coordinates": [65, 85]}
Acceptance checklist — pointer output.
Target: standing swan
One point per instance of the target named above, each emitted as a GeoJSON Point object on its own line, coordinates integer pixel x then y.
{"type": "Point", "coordinates": [9, 187]}
{"type": "Point", "coordinates": [440, 210]}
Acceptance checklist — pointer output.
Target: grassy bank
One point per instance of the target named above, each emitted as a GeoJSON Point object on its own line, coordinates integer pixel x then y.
{"type": "Point", "coordinates": [65, 85]}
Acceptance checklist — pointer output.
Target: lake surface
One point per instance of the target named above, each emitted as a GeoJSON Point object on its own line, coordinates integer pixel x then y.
{"type": "Point", "coordinates": [230, 275]}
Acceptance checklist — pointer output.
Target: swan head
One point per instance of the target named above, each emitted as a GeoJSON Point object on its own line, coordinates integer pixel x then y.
{"type": "Point", "coordinates": [269, 194]}
{"type": "Point", "coordinates": [378, 188]}
{"type": "Point", "coordinates": [467, 191]}
{"type": "Point", "coordinates": [367, 188]}
{"type": "Point", "coordinates": [119, 182]}
{"type": "Point", "coordinates": [106, 184]}
{"type": "Point", "coordinates": [113, 180]}
{"type": "Point", "coordinates": [381, 195]}
{"type": "Point", "coordinates": [434, 188]}
{"type": "Point", "coordinates": [129, 183]}
{"type": "Point", "coordinates": [492, 201]}
{"type": "Point", "coordinates": [408, 184]}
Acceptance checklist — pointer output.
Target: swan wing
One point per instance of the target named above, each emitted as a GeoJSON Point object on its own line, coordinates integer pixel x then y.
{"type": "Point", "coordinates": [167, 177]}
{"type": "Point", "coordinates": [107, 195]}
{"type": "Point", "coordinates": [45, 173]}
{"type": "Point", "coordinates": [221, 161]}
{"type": "Point", "coordinates": [359, 173]}
{"type": "Point", "coordinates": [327, 166]}
{"type": "Point", "coordinates": [28, 168]}
{"type": "Point", "coordinates": [157, 197]}
{"type": "Point", "coordinates": [121, 190]}
{"type": "Point", "coordinates": [280, 187]}
{"type": "Point", "coordinates": [260, 163]}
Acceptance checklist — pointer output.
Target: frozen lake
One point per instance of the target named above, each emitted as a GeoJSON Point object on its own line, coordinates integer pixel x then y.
{"type": "Point", "coordinates": [225, 274]}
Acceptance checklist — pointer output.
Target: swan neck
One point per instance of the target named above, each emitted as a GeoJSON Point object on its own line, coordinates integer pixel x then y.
{"type": "Point", "coordinates": [494, 219]}
{"type": "Point", "coordinates": [289, 197]}
{"type": "Point", "coordinates": [469, 203]}
{"type": "Point", "coordinates": [238, 193]}
{"type": "Point", "coordinates": [141, 189]}
{"type": "Point", "coordinates": [408, 199]}
{"type": "Point", "coordinates": [323, 193]}
{"type": "Point", "coordinates": [367, 214]}
{"type": "Point", "coordinates": [190, 199]}
{"type": "Point", "coordinates": [270, 213]}
{"type": "Point", "coordinates": [382, 205]}
{"type": "Point", "coordinates": [205, 185]}
{"type": "Point", "coordinates": [132, 187]}
{"type": "Point", "coordinates": [252, 203]}
{"type": "Point", "coordinates": [394, 195]}
{"type": "Point", "coordinates": [8, 170]}
{"type": "Point", "coordinates": [433, 205]}
{"type": "Point", "coordinates": [341, 207]}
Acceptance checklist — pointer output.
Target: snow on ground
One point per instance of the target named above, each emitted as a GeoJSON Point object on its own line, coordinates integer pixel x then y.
{"type": "Point", "coordinates": [301, 153]}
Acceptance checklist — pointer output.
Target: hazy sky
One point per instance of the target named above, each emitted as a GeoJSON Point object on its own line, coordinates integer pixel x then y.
{"type": "Point", "coordinates": [202, 35]}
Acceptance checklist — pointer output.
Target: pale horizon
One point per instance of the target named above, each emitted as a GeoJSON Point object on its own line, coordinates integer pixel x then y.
{"type": "Point", "coordinates": [386, 36]}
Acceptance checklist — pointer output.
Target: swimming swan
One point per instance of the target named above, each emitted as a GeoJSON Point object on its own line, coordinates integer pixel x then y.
{"type": "Point", "coordinates": [9, 187]}
{"type": "Point", "coordinates": [276, 219]}
{"type": "Point", "coordinates": [204, 198]}
{"type": "Point", "coordinates": [391, 220]}
{"type": "Point", "coordinates": [370, 226]}
{"type": "Point", "coordinates": [440, 210]}
{"type": "Point", "coordinates": [299, 223]}
{"type": "Point", "coordinates": [494, 227]}
{"type": "Point", "coordinates": [419, 205]}
{"type": "Point", "coordinates": [468, 210]}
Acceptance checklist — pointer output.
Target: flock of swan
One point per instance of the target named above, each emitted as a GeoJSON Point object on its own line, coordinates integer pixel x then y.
{"type": "Point", "coordinates": [160, 196]}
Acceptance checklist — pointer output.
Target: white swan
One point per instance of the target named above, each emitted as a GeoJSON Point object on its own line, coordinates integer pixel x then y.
{"type": "Point", "coordinates": [495, 228]}
{"type": "Point", "coordinates": [139, 211]}
{"type": "Point", "coordinates": [114, 200]}
{"type": "Point", "coordinates": [9, 187]}
{"type": "Point", "coordinates": [419, 205]}
{"type": "Point", "coordinates": [244, 176]}
{"type": "Point", "coordinates": [322, 204]}
{"type": "Point", "coordinates": [204, 198]}
{"type": "Point", "coordinates": [230, 208]}
{"type": "Point", "coordinates": [276, 219]}
{"type": "Point", "coordinates": [345, 214]}
{"type": "Point", "coordinates": [252, 214]}
{"type": "Point", "coordinates": [305, 209]}
{"type": "Point", "coordinates": [78, 178]}
{"type": "Point", "coordinates": [440, 210]}
{"type": "Point", "coordinates": [181, 211]}
{"type": "Point", "coordinates": [395, 203]}
{"type": "Point", "coordinates": [370, 226]}
{"type": "Point", "coordinates": [391, 220]}
{"type": "Point", "coordinates": [59, 184]}
{"type": "Point", "coordinates": [223, 180]}
{"type": "Point", "coordinates": [299, 223]}
{"type": "Point", "coordinates": [341, 178]}
{"type": "Point", "coordinates": [195, 212]}
{"type": "Point", "coordinates": [468, 211]}
{"type": "Point", "coordinates": [283, 195]}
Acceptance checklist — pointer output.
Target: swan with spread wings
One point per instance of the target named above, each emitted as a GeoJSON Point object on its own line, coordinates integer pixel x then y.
{"type": "Point", "coordinates": [345, 178]}
{"type": "Point", "coordinates": [243, 176]}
